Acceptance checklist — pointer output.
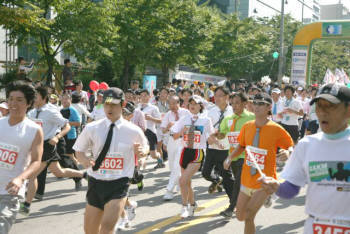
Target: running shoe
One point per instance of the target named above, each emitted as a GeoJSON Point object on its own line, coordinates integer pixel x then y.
{"type": "Point", "coordinates": [184, 212]}
{"type": "Point", "coordinates": [24, 210]}
{"type": "Point", "coordinates": [131, 210]}
{"type": "Point", "coordinates": [159, 165]}
{"type": "Point", "coordinates": [168, 196]}
{"type": "Point", "coordinates": [39, 196]}
{"type": "Point", "coordinates": [123, 224]}
{"type": "Point", "coordinates": [191, 209]}
{"type": "Point", "coordinates": [227, 213]}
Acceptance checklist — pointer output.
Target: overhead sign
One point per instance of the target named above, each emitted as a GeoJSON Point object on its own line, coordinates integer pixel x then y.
{"type": "Point", "coordinates": [299, 65]}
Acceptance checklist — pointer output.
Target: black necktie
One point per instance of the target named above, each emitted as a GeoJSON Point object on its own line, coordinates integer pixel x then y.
{"type": "Point", "coordinates": [37, 113]}
{"type": "Point", "coordinates": [220, 119]}
{"type": "Point", "coordinates": [105, 149]}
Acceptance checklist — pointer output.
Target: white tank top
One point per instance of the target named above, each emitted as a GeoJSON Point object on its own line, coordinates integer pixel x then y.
{"type": "Point", "coordinates": [15, 144]}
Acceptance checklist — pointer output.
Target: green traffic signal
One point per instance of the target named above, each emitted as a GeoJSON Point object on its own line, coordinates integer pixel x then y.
{"type": "Point", "coordinates": [275, 55]}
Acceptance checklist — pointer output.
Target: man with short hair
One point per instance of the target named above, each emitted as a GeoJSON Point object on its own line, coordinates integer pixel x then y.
{"type": "Point", "coordinates": [217, 152]}
{"type": "Point", "coordinates": [321, 161]}
{"type": "Point", "coordinates": [174, 146]}
{"type": "Point", "coordinates": [67, 73]}
{"type": "Point", "coordinates": [23, 145]}
{"type": "Point", "coordinates": [291, 112]}
{"type": "Point", "coordinates": [231, 127]}
{"type": "Point", "coordinates": [135, 85]}
{"type": "Point", "coordinates": [114, 143]}
{"type": "Point", "coordinates": [152, 116]}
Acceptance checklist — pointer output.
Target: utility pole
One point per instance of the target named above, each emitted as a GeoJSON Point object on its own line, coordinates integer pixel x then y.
{"type": "Point", "coordinates": [281, 57]}
{"type": "Point", "coordinates": [236, 6]}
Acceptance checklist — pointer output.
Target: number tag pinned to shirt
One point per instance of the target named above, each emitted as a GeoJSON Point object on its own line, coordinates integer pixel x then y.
{"type": "Point", "coordinates": [258, 154]}
{"type": "Point", "coordinates": [196, 140]}
{"type": "Point", "coordinates": [233, 139]}
{"type": "Point", "coordinates": [8, 156]}
{"type": "Point", "coordinates": [38, 122]}
{"type": "Point", "coordinates": [330, 227]}
{"type": "Point", "coordinates": [112, 164]}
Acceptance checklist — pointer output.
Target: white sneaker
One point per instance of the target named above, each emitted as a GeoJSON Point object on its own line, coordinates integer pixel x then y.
{"type": "Point", "coordinates": [184, 212]}
{"type": "Point", "coordinates": [123, 224]}
{"type": "Point", "coordinates": [168, 196]}
{"type": "Point", "coordinates": [191, 209]}
{"type": "Point", "coordinates": [131, 210]}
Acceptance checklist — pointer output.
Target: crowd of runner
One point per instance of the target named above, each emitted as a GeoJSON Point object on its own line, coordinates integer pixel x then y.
{"type": "Point", "coordinates": [237, 135]}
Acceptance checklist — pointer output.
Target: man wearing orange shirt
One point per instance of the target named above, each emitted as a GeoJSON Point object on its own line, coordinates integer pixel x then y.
{"type": "Point", "coordinates": [261, 137]}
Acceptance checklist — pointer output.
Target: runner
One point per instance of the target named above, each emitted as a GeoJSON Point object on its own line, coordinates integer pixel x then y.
{"type": "Point", "coordinates": [260, 137]}
{"type": "Point", "coordinates": [174, 147]}
{"type": "Point", "coordinates": [322, 162]}
{"type": "Point", "coordinates": [231, 126]}
{"type": "Point", "coordinates": [51, 121]}
{"type": "Point", "coordinates": [217, 153]}
{"type": "Point", "coordinates": [114, 143]}
{"type": "Point", "coordinates": [195, 130]}
{"type": "Point", "coordinates": [152, 116]}
{"type": "Point", "coordinates": [23, 144]}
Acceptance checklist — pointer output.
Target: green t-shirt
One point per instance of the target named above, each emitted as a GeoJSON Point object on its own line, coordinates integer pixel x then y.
{"type": "Point", "coordinates": [225, 126]}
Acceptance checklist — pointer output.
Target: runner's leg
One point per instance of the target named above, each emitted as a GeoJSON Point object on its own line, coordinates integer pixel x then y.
{"type": "Point", "coordinates": [92, 219]}
{"type": "Point", "coordinates": [111, 214]}
{"type": "Point", "coordinates": [185, 182]}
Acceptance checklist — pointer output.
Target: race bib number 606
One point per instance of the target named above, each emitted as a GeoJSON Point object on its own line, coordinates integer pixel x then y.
{"type": "Point", "coordinates": [8, 156]}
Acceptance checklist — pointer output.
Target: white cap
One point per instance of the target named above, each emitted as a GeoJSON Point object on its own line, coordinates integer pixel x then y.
{"type": "Point", "coordinates": [4, 105]}
{"type": "Point", "coordinates": [300, 88]}
{"type": "Point", "coordinates": [276, 90]}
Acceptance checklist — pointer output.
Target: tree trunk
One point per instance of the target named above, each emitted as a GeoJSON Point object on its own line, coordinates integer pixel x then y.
{"type": "Point", "coordinates": [50, 65]}
{"type": "Point", "coordinates": [165, 75]}
{"type": "Point", "coordinates": [124, 83]}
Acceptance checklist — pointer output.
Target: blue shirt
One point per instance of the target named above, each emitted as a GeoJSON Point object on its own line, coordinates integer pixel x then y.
{"type": "Point", "coordinates": [73, 117]}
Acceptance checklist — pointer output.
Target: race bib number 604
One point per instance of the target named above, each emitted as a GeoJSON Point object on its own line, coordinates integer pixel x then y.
{"type": "Point", "coordinates": [8, 156]}
{"type": "Point", "coordinates": [112, 164]}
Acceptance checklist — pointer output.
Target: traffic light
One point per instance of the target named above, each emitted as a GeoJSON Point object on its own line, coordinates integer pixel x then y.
{"type": "Point", "coordinates": [275, 55]}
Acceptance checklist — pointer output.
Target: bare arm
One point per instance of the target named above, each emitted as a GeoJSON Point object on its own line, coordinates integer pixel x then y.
{"type": "Point", "coordinates": [84, 160]}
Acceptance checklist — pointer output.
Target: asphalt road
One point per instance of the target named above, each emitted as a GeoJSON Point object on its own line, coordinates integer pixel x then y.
{"type": "Point", "coordinates": [62, 210]}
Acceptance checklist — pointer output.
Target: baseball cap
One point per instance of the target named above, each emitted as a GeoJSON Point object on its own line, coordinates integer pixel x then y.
{"type": "Point", "coordinates": [263, 97]}
{"type": "Point", "coordinates": [4, 105]}
{"type": "Point", "coordinates": [276, 90]}
{"type": "Point", "coordinates": [300, 88]}
{"type": "Point", "coordinates": [100, 92]}
{"type": "Point", "coordinates": [334, 93]}
{"type": "Point", "coordinates": [113, 96]}
{"type": "Point", "coordinates": [197, 99]}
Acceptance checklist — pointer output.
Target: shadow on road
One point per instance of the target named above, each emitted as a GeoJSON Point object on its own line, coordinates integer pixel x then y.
{"type": "Point", "coordinates": [280, 228]}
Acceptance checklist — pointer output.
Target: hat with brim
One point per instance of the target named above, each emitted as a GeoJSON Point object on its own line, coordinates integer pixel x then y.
{"type": "Point", "coordinates": [197, 99]}
{"type": "Point", "coordinates": [276, 90]}
{"type": "Point", "coordinates": [334, 93]}
{"type": "Point", "coordinates": [4, 105]}
{"type": "Point", "coordinates": [262, 98]}
{"type": "Point", "coordinates": [113, 96]}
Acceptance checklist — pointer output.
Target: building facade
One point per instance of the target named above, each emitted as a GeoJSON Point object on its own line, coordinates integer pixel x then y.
{"type": "Point", "coordinates": [306, 11]}
{"type": "Point", "coordinates": [334, 12]}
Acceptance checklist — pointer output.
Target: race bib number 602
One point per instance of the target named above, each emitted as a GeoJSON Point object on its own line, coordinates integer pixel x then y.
{"type": "Point", "coordinates": [8, 156]}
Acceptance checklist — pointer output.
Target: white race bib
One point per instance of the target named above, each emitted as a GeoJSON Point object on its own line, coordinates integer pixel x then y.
{"type": "Point", "coordinates": [324, 227]}
{"type": "Point", "coordinates": [196, 140]}
{"type": "Point", "coordinates": [38, 122]}
{"type": "Point", "coordinates": [233, 139]}
{"type": "Point", "coordinates": [258, 154]}
{"type": "Point", "coordinates": [8, 156]}
{"type": "Point", "coordinates": [113, 164]}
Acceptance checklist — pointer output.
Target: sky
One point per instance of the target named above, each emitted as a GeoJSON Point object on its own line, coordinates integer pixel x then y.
{"type": "Point", "coordinates": [326, 2]}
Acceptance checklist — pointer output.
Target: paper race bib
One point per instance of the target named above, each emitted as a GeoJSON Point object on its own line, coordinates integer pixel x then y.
{"type": "Point", "coordinates": [233, 139]}
{"type": "Point", "coordinates": [38, 122]}
{"type": "Point", "coordinates": [196, 140]}
{"type": "Point", "coordinates": [8, 156]}
{"type": "Point", "coordinates": [319, 227]}
{"type": "Point", "coordinates": [112, 164]}
{"type": "Point", "coordinates": [258, 154]}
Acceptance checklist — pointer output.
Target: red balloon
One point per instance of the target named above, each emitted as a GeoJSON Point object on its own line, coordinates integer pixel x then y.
{"type": "Point", "coordinates": [94, 85]}
{"type": "Point", "coordinates": [103, 86]}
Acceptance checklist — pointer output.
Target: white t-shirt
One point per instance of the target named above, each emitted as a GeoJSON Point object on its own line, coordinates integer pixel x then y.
{"type": "Point", "coordinates": [15, 145]}
{"type": "Point", "coordinates": [203, 129]}
{"type": "Point", "coordinates": [120, 159]}
{"type": "Point", "coordinates": [315, 162]}
{"type": "Point", "coordinates": [49, 118]}
{"type": "Point", "coordinates": [152, 110]}
{"type": "Point", "coordinates": [98, 112]}
{"type": "Point", "coordinates": [170, 118]}
{"type": "Point", "coordinates": [214, 115]}
{"type": "Point", "coordinates": [291, 118]}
